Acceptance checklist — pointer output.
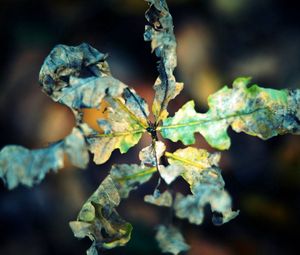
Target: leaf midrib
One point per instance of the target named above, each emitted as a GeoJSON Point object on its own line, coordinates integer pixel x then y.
{"type": "Point", "coordinates": [194, 123]}
{"type": "Point", "coordinates": [186, 161]}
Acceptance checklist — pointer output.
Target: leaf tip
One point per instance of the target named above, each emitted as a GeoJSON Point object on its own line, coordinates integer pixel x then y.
{"type": "Point", "coordinates": [241, 82]}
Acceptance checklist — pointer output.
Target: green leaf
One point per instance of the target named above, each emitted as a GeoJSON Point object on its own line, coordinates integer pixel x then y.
{"type": "Point", "coordinates": [256, 111]}
{"type": "Point", "coordinates": [99, 220]}
{"type": "Point", "coordinates": [170, 240]}
{"type": "Point", "coordinates": [164, 199]}
{"type": "Point", "coordinates": [129, 177]}
{"type": "Point", "coordinates": [151, 154]}
{"type": "Point", "coordinates": [160, 33]}
{"type": "Point", "coordinates": [125, 125]}
{"type": "Point", "coordinates": [19, 165]}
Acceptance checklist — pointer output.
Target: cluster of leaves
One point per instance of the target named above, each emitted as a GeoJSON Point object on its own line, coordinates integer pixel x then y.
{"type": "Point", "coordinates": [79, 77]}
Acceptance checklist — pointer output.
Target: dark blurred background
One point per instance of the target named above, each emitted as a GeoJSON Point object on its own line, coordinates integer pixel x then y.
{"type": "Point", "coordinates": [218, 40]}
